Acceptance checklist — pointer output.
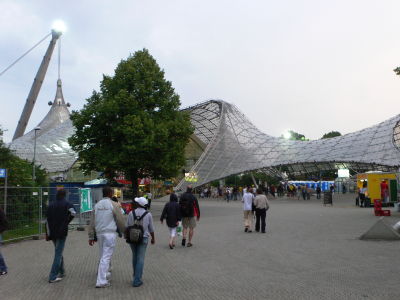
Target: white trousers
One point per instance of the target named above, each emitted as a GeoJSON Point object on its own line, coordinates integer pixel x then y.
{"type": "Point", "coordinates": [106, 243]}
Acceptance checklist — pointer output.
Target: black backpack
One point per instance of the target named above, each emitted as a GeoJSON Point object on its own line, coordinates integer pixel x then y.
{"type": "Point", "coordinates": [134, 233]}
{"type": "Point", "coordinates": [186, 204]}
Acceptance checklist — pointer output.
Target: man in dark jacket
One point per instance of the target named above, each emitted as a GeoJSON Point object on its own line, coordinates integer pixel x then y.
{"type": "Point", "coordinates": [189, 210]}
{"type": "Point", "coordinates": [59, 214]}
{"type": "Point", "coordinates": [3, 227]}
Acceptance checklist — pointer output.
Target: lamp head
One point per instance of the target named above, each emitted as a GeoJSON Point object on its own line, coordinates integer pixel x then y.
{"type": "Point", "coordinates": [59, 27]}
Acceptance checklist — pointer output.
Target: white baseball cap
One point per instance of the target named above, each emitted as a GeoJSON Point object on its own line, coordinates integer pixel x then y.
{"type": "Point", "coordinates": [141, 201]}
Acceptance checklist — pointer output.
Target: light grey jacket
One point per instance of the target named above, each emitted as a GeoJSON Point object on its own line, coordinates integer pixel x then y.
{"type": "Point", "coordinates": [106, 218]}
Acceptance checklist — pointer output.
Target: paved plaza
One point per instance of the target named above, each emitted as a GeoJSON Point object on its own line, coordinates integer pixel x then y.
{"type": "Point", "coordinates": [309, 252]}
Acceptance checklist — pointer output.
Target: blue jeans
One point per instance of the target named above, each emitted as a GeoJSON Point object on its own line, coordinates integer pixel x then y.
{"type": "Point", "coordinates": [138, 253]}
{"type": "Point", "coordinates": [3, 267]}
{"type": "Point", "coordinates": [58, 263]}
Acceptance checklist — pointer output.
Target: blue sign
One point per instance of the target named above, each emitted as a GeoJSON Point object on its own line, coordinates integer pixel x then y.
{"type": "Point", "coordinates": [3, 173]}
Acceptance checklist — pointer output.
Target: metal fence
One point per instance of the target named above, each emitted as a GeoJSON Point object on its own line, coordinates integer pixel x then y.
{"type": "Point", "coordinates": [25, 209]}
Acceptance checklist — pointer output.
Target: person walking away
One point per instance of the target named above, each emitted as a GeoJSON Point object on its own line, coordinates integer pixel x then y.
{"type": "Point", "coordinates": [261, 204]}
{"type": "Point", "coordinates": [235, 193]}
{"type": "Point", "coordinates": [362, 194]}
{"type": "Point", "coordinates": [304, 192]}
{"type": "Point", "coordinates": [59, 214]}
{"type": "Point", "coordinates": [228, 194]}
{"type": "Point", "coordinates": [3, 227]}
{"type": "Point", "coordinates": [318, 190]}
{"type": "Point", "coordinates": [308, 191]}
{"type": "Point", "coordinates": [189, 210]}
{"type": "Point", "coordinates": [144, 217]}
{"type": "Point", "coordinates": [272, 190]}
{"type": "Point", "coordinates": [106, 220]}
{"type": "Point", "coordinates": [172, 213]}
{"type": "Point", "coordinates": [384, 191]}
{"type": "Point", "coordinates": [247, 209]}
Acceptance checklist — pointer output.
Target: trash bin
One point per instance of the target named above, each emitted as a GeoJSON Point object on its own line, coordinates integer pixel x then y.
{"type": "Point", "coordinates": [327, 198]}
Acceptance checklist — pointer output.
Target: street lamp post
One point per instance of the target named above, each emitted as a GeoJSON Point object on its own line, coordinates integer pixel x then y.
{"type": "Point", "coordinates": [34, 155]}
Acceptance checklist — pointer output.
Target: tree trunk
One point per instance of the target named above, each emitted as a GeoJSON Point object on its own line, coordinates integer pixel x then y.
{"type": "Point", "coordinates": [133, 176]}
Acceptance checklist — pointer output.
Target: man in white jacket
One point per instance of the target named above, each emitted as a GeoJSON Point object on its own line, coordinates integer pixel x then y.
{"type": "Point", "coordinates": [106, 219]}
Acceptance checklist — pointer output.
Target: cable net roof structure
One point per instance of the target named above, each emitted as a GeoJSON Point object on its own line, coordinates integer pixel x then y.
{"type": "Point", "coordinates": [235, 145]}
{"type": "Point", "coordinates": [53, 151]}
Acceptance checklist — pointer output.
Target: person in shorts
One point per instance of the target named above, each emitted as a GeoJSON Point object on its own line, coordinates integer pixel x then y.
{"type": "Point", "coordinates": [172, 213]}
{"type": "Point", "coordinates": [190, 211]}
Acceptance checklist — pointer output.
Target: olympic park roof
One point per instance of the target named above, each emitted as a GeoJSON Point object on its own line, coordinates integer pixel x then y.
{"type": "Point", "coordinates": [53, 152]}
{"type": "Point", "coordinates": [233, 145]}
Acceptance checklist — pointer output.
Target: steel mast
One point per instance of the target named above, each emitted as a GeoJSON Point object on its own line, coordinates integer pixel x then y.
{"type": "Point", "coordinates": [36, 85]}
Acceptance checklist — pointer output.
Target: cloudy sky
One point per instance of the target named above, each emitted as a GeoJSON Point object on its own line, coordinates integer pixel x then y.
{"type": "Point", "coordinates": [308, 65]}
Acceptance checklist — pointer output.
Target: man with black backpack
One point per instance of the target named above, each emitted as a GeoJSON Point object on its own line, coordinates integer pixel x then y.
{"type": "Point", "coordinates": [189, 210]}
{"type": "Point", "coordinates": [139, 227]}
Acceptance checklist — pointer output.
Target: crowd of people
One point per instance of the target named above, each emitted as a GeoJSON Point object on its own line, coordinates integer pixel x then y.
{"type": "Point", "coordinates": [107, 223]}
{"type": "Point", "coordinates": [229, 193]}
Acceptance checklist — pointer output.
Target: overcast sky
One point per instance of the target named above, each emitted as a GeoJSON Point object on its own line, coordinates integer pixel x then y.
{"type": "Point", "coordinates": [308, 65]}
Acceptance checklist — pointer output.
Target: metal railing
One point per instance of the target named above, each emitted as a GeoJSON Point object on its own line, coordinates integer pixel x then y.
{"type": "Point", "coordinates": [25, 209]}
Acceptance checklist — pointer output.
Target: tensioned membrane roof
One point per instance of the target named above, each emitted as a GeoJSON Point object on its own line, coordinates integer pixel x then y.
{"type": "Point", "coordinates": [53, 152]}
{"type": "Point", "coordinates": [235, 145]}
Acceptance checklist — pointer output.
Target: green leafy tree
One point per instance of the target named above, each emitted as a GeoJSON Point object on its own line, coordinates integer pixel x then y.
{"type": "Point", "coordinates": [133, 124]}
{"type": "Point", "coordinates": [19, 171]}
{"type": "Point", "coordinates": [331, 134]}
{"type": "Point", "coordinates": [397, 71]}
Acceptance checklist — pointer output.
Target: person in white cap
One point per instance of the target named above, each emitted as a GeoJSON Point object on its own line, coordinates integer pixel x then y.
{"type": "Point", "coordinates": [106, 219]}
{"type": "Point", "coordinates": [139, 249]}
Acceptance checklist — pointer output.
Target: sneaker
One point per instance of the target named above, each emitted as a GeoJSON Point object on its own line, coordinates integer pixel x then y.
{"type": "Point", "coordinates": [137, 284]}
{"type": "Point", "coordinates": [189, 244]}
{"type": "Point", "coordinates": [55, 280]}
{"type": "Point", "coordinates": [249, 231]}
{"type": "Point", "coordinates": [106, 285]}
{"type": "Point", "coordinates": [245, 229]}
{"type": "Point", "coordinates": [3, 272]}
{"type": "Point", "coordinates": [171, 247]}
{"type": "Point", "coordinates": [183, 242]}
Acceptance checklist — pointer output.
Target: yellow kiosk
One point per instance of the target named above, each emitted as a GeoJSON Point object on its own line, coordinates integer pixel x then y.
{"type": "Point", "coordinates": [374, 180]}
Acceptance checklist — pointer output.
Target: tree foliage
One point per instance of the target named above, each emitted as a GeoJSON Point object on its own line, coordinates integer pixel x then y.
{"type": "Point", "coordinates": [397, 71]}
{"type": "Point", "coordinates": [331, 134]}
{"type": "Point", "coordinates": [133, 124]}
{"type": "Point", "coordinates": [19, 171]}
